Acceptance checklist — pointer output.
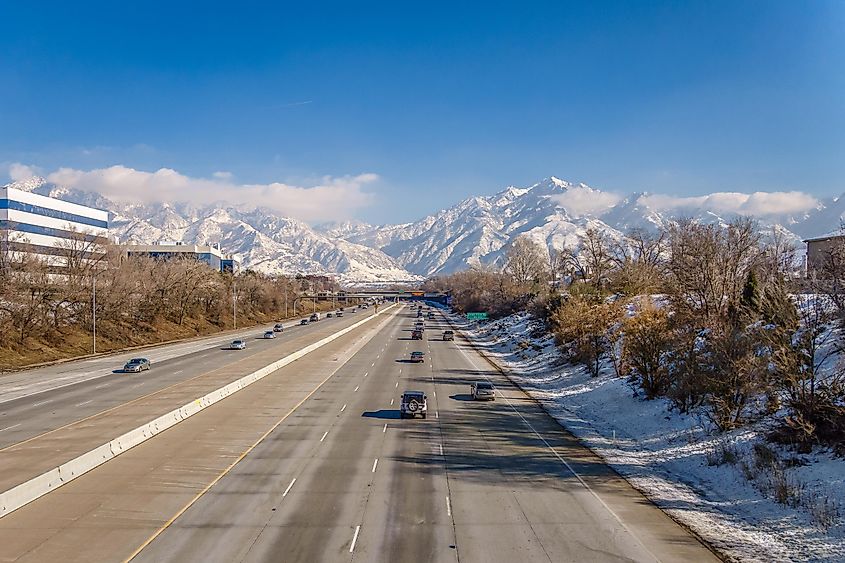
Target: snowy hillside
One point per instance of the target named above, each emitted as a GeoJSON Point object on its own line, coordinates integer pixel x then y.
{"type": "Point", "coordinates": [556, 213]}
{"type": "Point", "coordinates": [476, 231]}
{"type": "Point", "coordinates": [260, 238]}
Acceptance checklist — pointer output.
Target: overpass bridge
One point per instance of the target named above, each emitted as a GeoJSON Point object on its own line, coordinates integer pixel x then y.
{"type": "Point", "coordinates": [402, 295]}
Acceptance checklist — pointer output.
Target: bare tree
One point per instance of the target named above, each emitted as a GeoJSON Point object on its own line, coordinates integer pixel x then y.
{"type": "Point", "coordinates": [525, 262]}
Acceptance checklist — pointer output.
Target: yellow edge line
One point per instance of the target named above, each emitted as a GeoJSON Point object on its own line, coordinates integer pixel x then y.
{"type": "Point", "coordinates": [223, 474]}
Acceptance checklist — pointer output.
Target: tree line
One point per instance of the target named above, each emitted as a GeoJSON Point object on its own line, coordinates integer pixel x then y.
{"type": "Point", "coordinates": [715, 318]}
{"type": "Point", "coordinates": [48, 305]}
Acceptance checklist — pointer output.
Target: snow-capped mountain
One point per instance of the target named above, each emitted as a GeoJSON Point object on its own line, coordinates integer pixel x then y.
{"type": "Point", "coordinates": [556, 214]}
{"type": "Point", "coordinates": [476, 231]}
{"type": "Point", "coordinates": [261, 239]}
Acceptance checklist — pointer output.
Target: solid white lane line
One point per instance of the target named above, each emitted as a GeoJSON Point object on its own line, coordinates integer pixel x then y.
{"type": "Point", "coordinates": [356, 389]}
{"type": "Point", "coordinates": [354, 539]}
{"type": "Point", "coordinates": [284, 494]}
{"type": "Point", "coordinates": [343, 408]}
{"type": "Point", "coordinates": [383, 430]}
{"type": "Point", "coordinates": [326, 433]}
{"type": "Point", "coordinates": [10, 427]}
{"type": "Point", "coordinates": [85, 403]}
{"type": "Point", "coordinates": [559, 458]}
{"type": "Point", "coordinates": [448, 506]}
{"type": "Point", "coordinates": [375, 464]}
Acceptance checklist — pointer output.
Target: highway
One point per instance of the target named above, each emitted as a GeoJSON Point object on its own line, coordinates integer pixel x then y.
{"type": "Point", "coordinates": [40, 400]}
{"type": "Point", "coordinates": [313, 463]}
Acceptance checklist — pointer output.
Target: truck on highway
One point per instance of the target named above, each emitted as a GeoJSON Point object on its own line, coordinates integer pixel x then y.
{"type": "Point", "coordinates": [315, 317]}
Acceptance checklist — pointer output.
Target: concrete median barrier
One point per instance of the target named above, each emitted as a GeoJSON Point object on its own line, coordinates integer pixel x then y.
{"type": "Point", "coordinates": [26, 492]}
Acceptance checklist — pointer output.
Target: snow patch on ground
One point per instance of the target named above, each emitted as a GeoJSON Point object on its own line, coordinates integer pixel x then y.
{"type": "Point", "coordinates": [665, 454]}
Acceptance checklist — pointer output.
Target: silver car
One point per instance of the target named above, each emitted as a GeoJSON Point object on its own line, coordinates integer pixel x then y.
{"type": "Point", "coordinates": [136, 365]}
{"type": "Point", "coordinates": [238, 345]}
{"type": "Point", "coordinates": [483, 391]}
{"type": "Point", "coordinates": [269, 334]}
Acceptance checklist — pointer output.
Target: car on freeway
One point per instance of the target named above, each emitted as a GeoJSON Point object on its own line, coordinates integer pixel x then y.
{"type": "Point", "coordinates": [314, 317]}
{"type": "Point", "coordinates": [419, 325]}
{"type": "Point", "coordinates": [339, 314]}
{"type": "Point", "coordinates": [413, 403]}
{"type": "Point", "coordinates": [237, 345]}
{"type": "Point", "coordinates": [417, 357]}
{"type": "Point", "coordinates": [329, 315]}
{"type": "Point", "coordinates": [269, 334]}
{"type": "Point", "coordinates": [482, 391]}
{"type": "Point", "coordinates": [416, 334]}
{"type": "Point", "coordinates": [136, 365]}
{"type": "Point", "coordinates": [448, 335]}
{"type": "Point", "coordinates": [278, 327]}
{"type": "Point", "coordinates": [303, 322]}
{"type": "Point", "coordinates": [340, 310]}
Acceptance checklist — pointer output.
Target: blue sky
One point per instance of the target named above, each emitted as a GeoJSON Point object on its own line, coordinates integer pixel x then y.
{"type": "Point", "coordinates": [440, 100]}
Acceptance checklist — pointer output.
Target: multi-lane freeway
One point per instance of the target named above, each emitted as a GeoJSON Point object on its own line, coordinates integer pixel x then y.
{"type": "Point", "coordinates": [313, 463]}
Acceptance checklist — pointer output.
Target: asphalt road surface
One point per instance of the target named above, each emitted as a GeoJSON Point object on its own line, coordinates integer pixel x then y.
{"type": "Point", "coordinates": [313, 463]}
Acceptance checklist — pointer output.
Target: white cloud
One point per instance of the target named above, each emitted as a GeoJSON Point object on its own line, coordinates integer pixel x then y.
{"type": "Point", "coordinates": [330, 199]}
{"type": "Point", "coordinates": [18, 172]}
{"type": "Point", "coordinates": [757, 204]}
{"type": "Point", "coordinates": [583, 200]}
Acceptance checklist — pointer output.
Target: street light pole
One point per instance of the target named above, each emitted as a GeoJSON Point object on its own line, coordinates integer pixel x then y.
{"type": "Point", "coordinates": [234, 305]}
{"type": "Point", "coordinates": [94, 309]}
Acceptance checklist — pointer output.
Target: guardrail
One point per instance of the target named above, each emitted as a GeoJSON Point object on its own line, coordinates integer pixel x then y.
{"type": "Point", "coordinates": [51, 480]}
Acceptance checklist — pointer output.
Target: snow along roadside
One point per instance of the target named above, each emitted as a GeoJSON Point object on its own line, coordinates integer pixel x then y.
{"type": "Point", "coordinates": [662, 453]}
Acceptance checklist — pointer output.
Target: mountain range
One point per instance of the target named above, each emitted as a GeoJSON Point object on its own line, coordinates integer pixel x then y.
{"type": "Point", "coordinates": [473, 232]}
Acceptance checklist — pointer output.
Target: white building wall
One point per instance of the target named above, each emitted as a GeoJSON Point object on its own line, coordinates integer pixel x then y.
{"type": "Point", "coordinates": [49, 223]}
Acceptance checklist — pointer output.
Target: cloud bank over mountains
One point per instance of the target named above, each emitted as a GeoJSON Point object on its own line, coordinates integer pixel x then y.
{"type": "Point", "coordinates": [330, 199]}
{"type": "Point", "coordinates": [339, 198]}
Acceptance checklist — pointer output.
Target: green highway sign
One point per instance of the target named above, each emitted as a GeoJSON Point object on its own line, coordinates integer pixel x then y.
{"type": "Point", "coordinates": [477, 316]}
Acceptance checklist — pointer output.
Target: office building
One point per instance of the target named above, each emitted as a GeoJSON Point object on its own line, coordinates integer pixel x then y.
{"type": "Point", "coordinates": [49, 227]}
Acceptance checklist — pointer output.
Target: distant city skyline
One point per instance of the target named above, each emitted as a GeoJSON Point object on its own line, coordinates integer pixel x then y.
{"type": "Point", "coordinates": [383, 114]}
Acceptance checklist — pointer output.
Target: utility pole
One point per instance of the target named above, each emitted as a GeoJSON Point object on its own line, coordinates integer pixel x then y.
{"type": "Point", "coordinates": [286, 302]}
{"type": "Point", "coordinates": [94, 309]}
{"type": "Point", "coordinates": [234, 305]}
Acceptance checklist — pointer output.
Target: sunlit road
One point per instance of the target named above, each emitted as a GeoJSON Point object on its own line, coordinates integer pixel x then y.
{"type": "Point", "coordinates": [313, 464]}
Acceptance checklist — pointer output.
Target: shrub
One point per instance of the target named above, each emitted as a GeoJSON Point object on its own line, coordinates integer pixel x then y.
{"type": "Point", "coordinates": [646, 341]}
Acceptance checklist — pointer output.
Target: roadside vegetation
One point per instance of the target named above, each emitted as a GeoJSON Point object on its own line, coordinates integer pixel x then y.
{"type": "Point", "coordinates": [47, 313]}
{"type": "Point", "coordinates": [713, 319]}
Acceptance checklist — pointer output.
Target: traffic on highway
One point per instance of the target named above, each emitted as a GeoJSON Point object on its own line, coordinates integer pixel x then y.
{"type": "Point", "coordinates": [370, 435]}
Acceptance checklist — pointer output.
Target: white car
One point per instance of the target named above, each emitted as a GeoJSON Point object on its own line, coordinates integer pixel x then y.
{"type": "Point", "coordinates": [237, 345]}
{"type": "Point", "coordinates": [269, 334]}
